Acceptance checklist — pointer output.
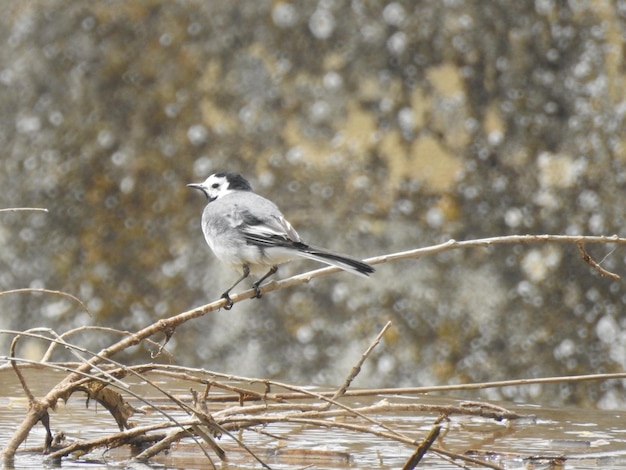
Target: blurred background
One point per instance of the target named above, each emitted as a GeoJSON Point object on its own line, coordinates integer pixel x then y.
{"type": "Point", "coordinates": [376, 126]}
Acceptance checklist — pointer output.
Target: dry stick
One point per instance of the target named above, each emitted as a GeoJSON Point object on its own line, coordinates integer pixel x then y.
{"type": "Point", "coordinates": [168, 370]}
{"type": "Point", "coordinates": [286, 412]}
{"type": "Point", "coordinates": [167, 326]}
{"type": "Point", "coordinates": [357, 368]}
{"type": "Point", "coordinates": [426, 444]}
{"type": "Point", "coordinates": [47, 291]}
{"type": "Point", "coordinates": [451, 456]}
{"type": "Point", "coordinates": [20, 209]}
{"type": "Point", "coordinates": [112, 381]}
{"type": "Point", "coordinates": [25, 387]}
{"type": "Point", "coordinates": [114, 440]}
{"type": "Point", "coordinates": [177, 435]}
{"type": "Point", "coordinates": [485, 242]}
{"type": "Point", "coordinates": [71, 347]}
{"type": "Point", "coordinates": [207, 420]}
{"type": "Point", "coordinates": [253, 395]}
{"type": "Point", "coordinates": [484, 385]}
{"type": "Point", "coordinates": [590, 261]}
{"type": "Point", "coordinates": [353, 373]}
{"type": "Point", "coordinates": [35, 407]}
{"type": "Point", "coordinates": [80, 329]}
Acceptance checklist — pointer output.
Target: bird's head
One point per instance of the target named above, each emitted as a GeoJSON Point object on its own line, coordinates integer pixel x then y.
{"type": "Point", "coordinates": [221, 184]}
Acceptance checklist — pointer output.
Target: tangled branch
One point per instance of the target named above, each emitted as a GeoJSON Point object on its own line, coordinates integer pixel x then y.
{"type": "Point", "coordinates": [97, 372]}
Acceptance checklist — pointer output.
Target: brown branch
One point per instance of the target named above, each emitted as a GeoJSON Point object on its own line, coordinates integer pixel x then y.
{"type": "Point", "coordinates": [591, 262]}
{"type": "Point", "coordinates": [426, 444]}
{"type": "Point", "coordinates": [37, 410]}
{"type": "Point", "coordinates": [284, 412]}
{"type": "Point", "coordinates": [184, 374]}
{"type": "Point", "coordinates": [20, 209]}
{"type": "Point", "coordinates": [174, 436]}
{"type": "Point", "coordinates": [47, 291]}
{"type": "Point", "coordinates": [112, 440]}
{"type": "Point", "coordinates": [72, 332]}
{"type": "Point", "coordinates": [357, 368]}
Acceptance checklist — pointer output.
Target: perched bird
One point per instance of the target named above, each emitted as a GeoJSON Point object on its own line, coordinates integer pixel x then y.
{"type": "Point", "coordinates": [249, 232]}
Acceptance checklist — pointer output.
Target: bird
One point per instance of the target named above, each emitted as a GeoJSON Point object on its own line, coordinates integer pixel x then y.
{"type": "Point", "coordinates": [250, 233]}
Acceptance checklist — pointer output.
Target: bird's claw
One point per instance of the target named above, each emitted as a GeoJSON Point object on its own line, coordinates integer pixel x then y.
{"type": "Point", "coordinates": [229, 302]}
{"type": "Point", "coordinates": [257, 290]}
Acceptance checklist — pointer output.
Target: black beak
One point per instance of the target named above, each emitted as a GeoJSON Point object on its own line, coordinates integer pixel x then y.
{"type": "Point", "coordinates": [201, 188]}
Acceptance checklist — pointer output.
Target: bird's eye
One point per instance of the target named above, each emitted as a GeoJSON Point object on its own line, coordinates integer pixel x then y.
{"type": "Point", "coordinates": [215, 185]}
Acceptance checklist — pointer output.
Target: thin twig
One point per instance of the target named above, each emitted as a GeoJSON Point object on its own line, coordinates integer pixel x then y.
{"type": "Point", "coordinates": [114, 440]}
{"type": "Point", "coordinates": [173, 436]}
{"type": "Point", "coordinates": [37, 410]}
{"type": "Point", "coordinates": [167, 369]}
{"type": "Point", "coordinates": [591, 262]}
{"type": "Point", "coordinates": [357, 368]}
{"type": "Point", "coordinates": [20, 209]}
{"type": "Point", "coordinates": [426, 444]}
{"type": "Point", "coordinates": [80, 329]}
{"type": "Point", "coordinates": [47, 291]}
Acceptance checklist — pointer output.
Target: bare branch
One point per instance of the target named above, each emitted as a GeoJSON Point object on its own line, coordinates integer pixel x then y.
{"type": "Point", "coordinates": [357, 368]}
{"type": "Point", "coordinates": [431, 250]}
{"type": "Point", "coordinates": [426, 444]}
{"type": "Point", "coordinates": [591, 262]}
{"type": "Point", "coordinates": [47, 291]}
{"type": "Point", "coordinates": [20, 209]}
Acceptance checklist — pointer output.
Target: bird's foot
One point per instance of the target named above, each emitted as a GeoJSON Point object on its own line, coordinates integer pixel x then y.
{"type": "Point", "coordinates": [229, 302]}
{"type": "Point", "coordinates": [257, 284]}
{"type": "Point", "coordinates": [257, 291]}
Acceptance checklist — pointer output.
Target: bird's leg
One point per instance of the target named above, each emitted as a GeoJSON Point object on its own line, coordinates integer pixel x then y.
{"type": "Point", "coordinates": [229, 303]}
{"type": "Point", "coordinates": [256, 285]}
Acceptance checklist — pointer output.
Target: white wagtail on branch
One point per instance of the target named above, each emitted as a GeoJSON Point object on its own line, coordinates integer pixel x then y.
{"type": "Point", "coordinates": [249, 233]}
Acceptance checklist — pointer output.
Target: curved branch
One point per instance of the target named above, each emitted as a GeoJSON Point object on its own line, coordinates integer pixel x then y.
{"type": "Point", "coordinates": [29, 290]}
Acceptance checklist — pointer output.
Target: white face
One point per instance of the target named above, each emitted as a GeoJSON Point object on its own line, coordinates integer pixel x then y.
{"type": "Point", "coordinates": [215, 187]}
{"type": "Point", "coordinates": [221, 184]}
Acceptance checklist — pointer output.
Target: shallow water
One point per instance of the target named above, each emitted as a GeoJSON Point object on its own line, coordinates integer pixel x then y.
{"type": "Point", "coordinates": [584, 438]}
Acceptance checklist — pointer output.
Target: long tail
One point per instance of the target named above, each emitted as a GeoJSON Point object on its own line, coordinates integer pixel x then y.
{"type": "Point", "coordinates": [348, 264]}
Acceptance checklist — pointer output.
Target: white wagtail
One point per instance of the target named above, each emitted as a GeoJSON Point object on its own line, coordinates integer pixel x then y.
{"type": "Point", "coordinates": [249, 232]}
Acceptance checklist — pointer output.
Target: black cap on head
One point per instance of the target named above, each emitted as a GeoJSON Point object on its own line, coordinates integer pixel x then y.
{"type": "Point", "coordinates": [235, 181]}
